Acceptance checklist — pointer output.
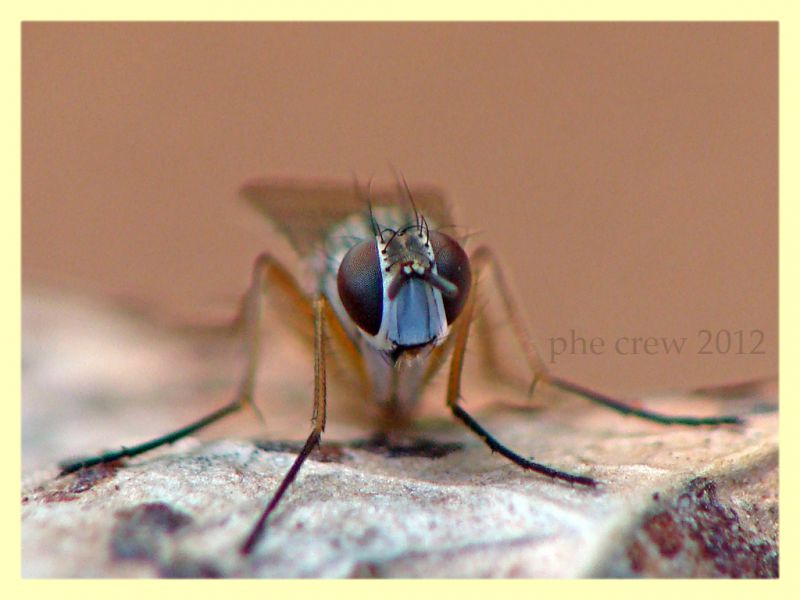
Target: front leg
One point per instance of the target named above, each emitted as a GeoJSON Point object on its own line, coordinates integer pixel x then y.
{"type": "Point", "coordinates": [460, 336]}
{"type": "Point", "coordinates": [318, 416]}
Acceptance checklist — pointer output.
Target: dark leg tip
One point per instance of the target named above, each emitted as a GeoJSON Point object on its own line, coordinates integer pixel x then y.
{"type": "Point", "coordinates": [587, 481]}
{"type": "Point", "coordinates": [70, 466]}
{"type": "Point", "coordinates": [247, 548]}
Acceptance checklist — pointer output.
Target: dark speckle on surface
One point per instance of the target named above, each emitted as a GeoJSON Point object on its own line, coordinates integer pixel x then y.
{"type": "Point", "coordinates": [702, 534]}
{"type": "Point", "coordinates": [665, 533]}
{"type": "Point", "coordinates": [87, 478]}
{"type": "Point", "coordinates": [70, 488]}
{"type": "Point", "coordinates": [636, 555]}
{"type": "Point", "coordinates": [140, 532]}
{"type": "Point", "coordinates": [716, 528]}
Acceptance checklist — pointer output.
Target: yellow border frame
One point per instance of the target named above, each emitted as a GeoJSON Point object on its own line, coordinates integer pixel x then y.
{"type": "Point", "coordinates": [780, 11]}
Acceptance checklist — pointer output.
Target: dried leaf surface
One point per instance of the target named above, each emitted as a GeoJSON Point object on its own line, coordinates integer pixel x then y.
{"type": "Point", "coordinates": [435, 502]}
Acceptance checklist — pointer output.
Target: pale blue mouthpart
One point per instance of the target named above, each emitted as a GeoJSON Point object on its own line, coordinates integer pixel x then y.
{"type": "Point", "coordinates": [413, 315]}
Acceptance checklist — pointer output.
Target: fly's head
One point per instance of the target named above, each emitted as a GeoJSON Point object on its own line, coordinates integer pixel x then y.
{"type": "Point", "coordinates": [405, 287]}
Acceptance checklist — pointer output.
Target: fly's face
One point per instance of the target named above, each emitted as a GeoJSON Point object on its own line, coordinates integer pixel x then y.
{"type": "Point", "coordinates": [404, 288]}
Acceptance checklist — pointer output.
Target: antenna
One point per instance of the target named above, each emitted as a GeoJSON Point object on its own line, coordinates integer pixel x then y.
{"type": "Point", "coordinates": [376, 230]}
{"type": "Point", "coordinates": [404, 189]}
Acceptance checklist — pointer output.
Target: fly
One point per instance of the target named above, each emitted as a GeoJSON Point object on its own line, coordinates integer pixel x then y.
{"type": "Point", "coordinates": [395, 296]}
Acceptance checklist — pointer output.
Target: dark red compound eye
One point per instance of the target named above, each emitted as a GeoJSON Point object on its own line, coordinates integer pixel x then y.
{"type": "Point", "coordinates": [360, 285]}
{"type": "Point", "coordinates": [452, 263]}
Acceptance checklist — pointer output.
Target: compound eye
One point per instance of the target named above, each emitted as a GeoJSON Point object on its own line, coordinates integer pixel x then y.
{"type": "Point", "coordinates": [452, 263]}
{"type": "Point", "coordinates": [360, 285]}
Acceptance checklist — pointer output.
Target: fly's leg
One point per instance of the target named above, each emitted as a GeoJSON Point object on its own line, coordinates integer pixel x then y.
{"type": "Point", "coordinates": [460, 335]}
{"type": "Point", "coordinates": [494, 368]}
{"type": "Point", "coordinates": [320, 308]}
{"type": "Point", "coordinates": [648, 415]}
{"type": "Point", "coordinates": [483, 257]}
{"type": "Point", "coordinates": [266, 272]}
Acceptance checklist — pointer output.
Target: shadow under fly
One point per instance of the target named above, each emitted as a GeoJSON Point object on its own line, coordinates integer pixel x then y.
{"type": "Point", "coordinates": [395, 297]}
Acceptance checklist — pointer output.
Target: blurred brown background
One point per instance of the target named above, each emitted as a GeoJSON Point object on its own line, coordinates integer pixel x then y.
{"type": "Point", "coordinates": [625, 173]}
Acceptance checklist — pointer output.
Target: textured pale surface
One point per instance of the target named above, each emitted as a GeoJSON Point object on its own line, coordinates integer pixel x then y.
{"type": "Point", "coordinates": [95, 379]}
